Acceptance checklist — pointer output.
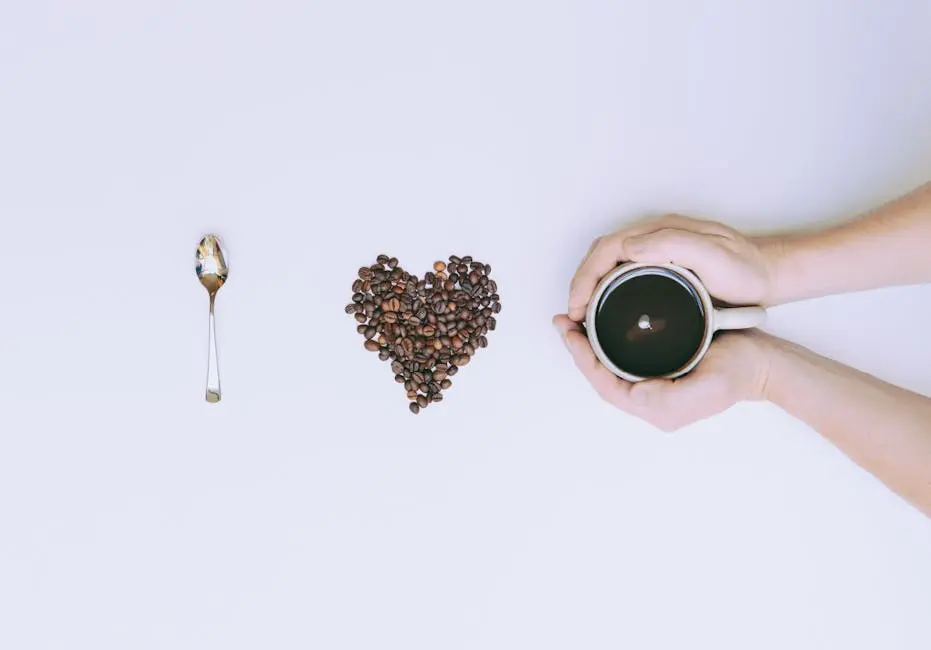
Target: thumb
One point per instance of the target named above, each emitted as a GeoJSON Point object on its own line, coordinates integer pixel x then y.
{"type": "Point", "coordinates": [682, 247]}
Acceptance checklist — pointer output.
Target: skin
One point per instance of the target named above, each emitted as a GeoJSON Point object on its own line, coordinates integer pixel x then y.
{"type": "Point", "coordinates": [883, 428]}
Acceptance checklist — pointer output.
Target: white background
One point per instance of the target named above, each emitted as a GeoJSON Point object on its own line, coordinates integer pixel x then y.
{"type": "Point", "coordinates": [310, 509]}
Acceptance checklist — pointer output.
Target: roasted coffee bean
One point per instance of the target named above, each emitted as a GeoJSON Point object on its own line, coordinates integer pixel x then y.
{"type": "Point", "coordinates": [415, 408]}
{"type": "Point", "coordinates": [427, 328]}
{"type": "Point", "coordinates": [492, 323]}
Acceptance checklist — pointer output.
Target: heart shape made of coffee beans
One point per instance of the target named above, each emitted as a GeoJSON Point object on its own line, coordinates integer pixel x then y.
{"type": "Point", "coordinates": [427, 328]}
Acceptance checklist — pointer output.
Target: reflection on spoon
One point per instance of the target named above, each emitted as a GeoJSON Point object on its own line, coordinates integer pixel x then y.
{"type": "Point", "coordinates": [212, 271]}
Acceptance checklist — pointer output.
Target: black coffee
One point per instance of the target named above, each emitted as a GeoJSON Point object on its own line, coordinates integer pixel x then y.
{"type": "Point", "coordinates": [650, 325]}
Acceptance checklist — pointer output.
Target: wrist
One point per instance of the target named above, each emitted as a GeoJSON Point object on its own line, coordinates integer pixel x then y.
{"type": "Point", "coordinates": [774, 251]}
{"type": "Point", "coordinates": [765, 353]}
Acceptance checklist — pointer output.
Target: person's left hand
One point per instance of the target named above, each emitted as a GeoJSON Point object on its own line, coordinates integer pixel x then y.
{"type": "Point", "coordinates": [733, 370]}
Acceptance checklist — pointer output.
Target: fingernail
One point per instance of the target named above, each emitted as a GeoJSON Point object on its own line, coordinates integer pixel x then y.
{"type": "Point", "coordinates": [563, 336]}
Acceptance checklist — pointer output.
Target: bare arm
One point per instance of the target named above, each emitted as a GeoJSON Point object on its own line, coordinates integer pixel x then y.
{"type": "Point", "coordinates": [883, 428]}
{"type": "Point", "coordinates": [888, 246]}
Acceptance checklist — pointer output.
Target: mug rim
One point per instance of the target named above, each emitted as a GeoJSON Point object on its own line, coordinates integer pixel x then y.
{"type": "Point", "coordinates": [626, 268]}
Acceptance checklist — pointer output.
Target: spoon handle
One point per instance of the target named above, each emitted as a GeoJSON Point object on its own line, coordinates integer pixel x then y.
{"type": "Point", "coordinates": [213, 370]}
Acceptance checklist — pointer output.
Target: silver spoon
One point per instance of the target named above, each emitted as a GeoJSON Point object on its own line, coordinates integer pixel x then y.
{"type": "Point", "coordinates": [212, 271]}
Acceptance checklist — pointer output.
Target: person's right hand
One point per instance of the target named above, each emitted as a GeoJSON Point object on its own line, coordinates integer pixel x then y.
{"type": "Point", "coordinates": [732, 267]}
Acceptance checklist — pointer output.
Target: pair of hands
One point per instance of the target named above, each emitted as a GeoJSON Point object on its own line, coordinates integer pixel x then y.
{"type": "Point", "coordinates": [733, 268]}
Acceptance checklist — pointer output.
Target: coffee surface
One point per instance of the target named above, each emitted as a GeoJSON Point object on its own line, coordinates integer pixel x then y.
{"type": "Point", "coordinates": [650, 325]}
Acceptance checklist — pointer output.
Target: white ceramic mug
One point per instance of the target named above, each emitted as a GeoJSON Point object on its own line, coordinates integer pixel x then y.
{"type": "Point", "coordinates": [730, 318]}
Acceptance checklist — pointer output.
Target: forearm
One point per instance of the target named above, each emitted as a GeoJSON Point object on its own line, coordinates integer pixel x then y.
{"type": "Point", "coordinates": [888, 246]}
{"type": "Point", "coordinates": [883, 428]}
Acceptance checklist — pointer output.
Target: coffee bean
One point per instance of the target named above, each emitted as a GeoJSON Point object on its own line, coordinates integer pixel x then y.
{"type": "Point", "coordinates": [415, 408]}
{"type": "Point", "coordinates": [492, 323]}
{"type": "Point", "coordinates": [427, 328]}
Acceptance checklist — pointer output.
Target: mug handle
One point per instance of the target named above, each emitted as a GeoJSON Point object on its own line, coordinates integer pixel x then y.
{"type": "Point", "coordinates": [739, 318]}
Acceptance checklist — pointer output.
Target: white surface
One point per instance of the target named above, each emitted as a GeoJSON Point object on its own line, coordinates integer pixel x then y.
{"type": "Point", "coordinates": [310, 509]}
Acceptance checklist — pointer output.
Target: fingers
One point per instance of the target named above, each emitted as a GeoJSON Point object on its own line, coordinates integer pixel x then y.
{"type": "Point", "coordinates": [683, 247]}
{"type": "Point", "coordinates": [609, 387]}
{"type": "Point", "coordinates": [607, 251]}
{"type": "Point", "coordinates": [604, 255]}
{"type": "Point", "coordinates": [671, 404]}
